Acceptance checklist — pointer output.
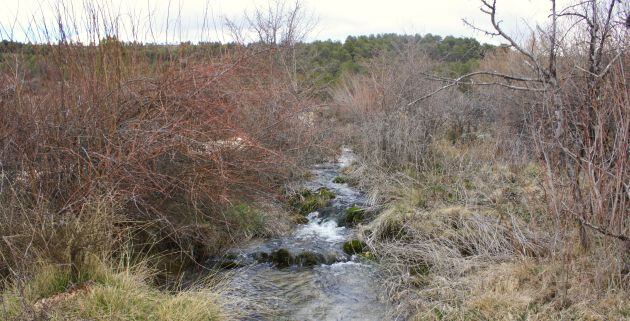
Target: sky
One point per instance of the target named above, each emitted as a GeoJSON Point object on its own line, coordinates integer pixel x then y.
{"type": "Point", "coordinates": [203, 20]}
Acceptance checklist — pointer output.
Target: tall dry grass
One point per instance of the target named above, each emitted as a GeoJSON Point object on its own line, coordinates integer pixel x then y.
{"type": "Point", "coordinates": [468, 229]}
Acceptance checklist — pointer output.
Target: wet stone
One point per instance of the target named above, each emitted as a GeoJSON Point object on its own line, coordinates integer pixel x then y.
{"type": "Point", "coordinates": [309, 259]}
{"type": "Point", "coordinates": [281, 258]}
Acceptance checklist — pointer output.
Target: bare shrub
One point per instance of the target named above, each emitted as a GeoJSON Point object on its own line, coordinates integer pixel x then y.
{"type": "Point", "coordinates": [385, 129]}
{"type": "Point", "coordinates": [170, 142]}
{"type": "Point", "coordinates": [580, 125]}
{"type": "Point", "coordinates": [531, 151]}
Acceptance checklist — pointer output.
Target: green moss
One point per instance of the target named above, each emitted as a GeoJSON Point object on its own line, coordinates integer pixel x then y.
{"type": "Point", "coordinates": [247, 218]}
{"type": "Point", "coordinates": [354, 247]}
{"type": "Point", "coordinates": [340, 180]}
{"type": "Point", "coordinates": [281, 258]}
{"type": "Point", "coordinates": [308, 258]}
{"type": "Point", "coordinates": [307, 201]}
{"type": "Point", "coordinates": [325, 194]}
{"type": "Point", "coordinates": [354, 215]}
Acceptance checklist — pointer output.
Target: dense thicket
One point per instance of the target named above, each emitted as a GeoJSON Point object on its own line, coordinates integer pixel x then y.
{"type": "Point", "coordinates": [102, 144]}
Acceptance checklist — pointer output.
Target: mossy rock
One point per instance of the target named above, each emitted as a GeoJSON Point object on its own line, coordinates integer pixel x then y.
{"type": "Point", "coordinates": [308, 259]}
{"type": "Point", "coordinates": [354, 215]}
{"type": "Point", "coordinates": [281, 258]}
{"type": "Point", "coordinates": [340, 180]}
{"type": "Point", "coordinates": [325, 193]}
{"type": "Point", "coordinates": [307, 201]}
{"type": "Point", "coordinates": [354, 247]}
{"type": "Point", "coordinates": [262, 257]}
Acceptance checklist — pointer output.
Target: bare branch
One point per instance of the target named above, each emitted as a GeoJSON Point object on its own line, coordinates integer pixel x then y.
{"type": "Point", "coordinates": [601, 229]}
{"type": "Point", "coordinates": [458, 81]}
{"type": "Point", "coordinates": [492, 12]}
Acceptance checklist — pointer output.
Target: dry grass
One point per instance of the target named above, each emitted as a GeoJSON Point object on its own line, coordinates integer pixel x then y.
{"type": "Point", "coordinates": [470, 219]}
{"type": "Point", "coordinates": [469, 239]}
{"type": "Point", "coordinates": [102, 292]}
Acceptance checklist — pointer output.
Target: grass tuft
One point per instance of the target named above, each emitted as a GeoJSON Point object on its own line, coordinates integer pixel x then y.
{"type": "Point", "coordinates": [105, 293]}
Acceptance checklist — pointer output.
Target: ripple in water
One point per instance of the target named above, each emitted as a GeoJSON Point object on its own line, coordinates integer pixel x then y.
{"type": "Point", "coordinates": [340, 291]}
{"type": "Point", "coordinates": [319, 229]}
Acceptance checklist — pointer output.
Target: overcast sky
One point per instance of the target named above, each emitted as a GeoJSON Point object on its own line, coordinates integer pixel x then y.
{"type": "Point", "coordinates": [336, 19]}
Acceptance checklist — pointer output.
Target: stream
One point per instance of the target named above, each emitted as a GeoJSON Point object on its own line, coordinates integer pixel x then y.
{"type": "Point", "coordinates": [320, 282]}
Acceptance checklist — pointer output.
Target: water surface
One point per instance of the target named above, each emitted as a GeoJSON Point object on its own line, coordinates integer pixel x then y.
{"type": "Point", "coordinates": [341, 287]}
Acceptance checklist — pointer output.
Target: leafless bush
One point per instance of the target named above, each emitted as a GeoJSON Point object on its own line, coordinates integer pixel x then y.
{"type": "Point", "coordinates": [580, 125]}
{"type": "Point", "coordinates": [390, 128]}
{"type": "Point", "coordinates": [170, 143]}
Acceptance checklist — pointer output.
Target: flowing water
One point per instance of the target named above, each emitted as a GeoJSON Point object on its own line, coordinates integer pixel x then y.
{"type": "Point", "coordinates": [335, 287]}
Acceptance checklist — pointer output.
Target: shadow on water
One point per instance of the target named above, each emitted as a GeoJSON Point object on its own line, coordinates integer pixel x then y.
{"type": "Point", "coordinates": [318, 280]}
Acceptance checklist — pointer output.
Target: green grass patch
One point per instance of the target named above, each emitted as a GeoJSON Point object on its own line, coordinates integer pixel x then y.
{"type": "Point", "coordinates": [248, 219]}
{"type": "Point", "coordinates": [354, 215]}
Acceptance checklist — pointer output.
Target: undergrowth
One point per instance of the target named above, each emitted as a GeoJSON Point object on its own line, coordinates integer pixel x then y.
{"type": "Point", "coordinates": [468, 238]}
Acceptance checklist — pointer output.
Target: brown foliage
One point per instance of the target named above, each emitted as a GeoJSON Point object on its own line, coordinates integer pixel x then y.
{"type": "Point", "coordinates": [172, 142]}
